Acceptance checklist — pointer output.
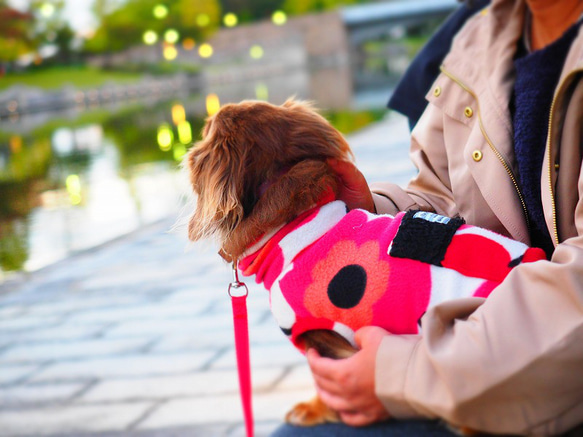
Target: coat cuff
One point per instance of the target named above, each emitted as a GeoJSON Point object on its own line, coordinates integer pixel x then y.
{"type": "Point", "coordinates": [391, 199]}
{"type": "Point", "coordinates": [384, 205]}
{"type": "Point", "coordinates": [392, 363]}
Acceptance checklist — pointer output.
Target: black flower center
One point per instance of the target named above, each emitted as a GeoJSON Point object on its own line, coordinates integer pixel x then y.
{"type": "Point", "coordinates": [347, 287]}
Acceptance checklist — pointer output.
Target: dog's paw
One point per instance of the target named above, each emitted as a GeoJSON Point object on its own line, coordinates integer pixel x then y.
{"type": "Point", "coordinates": [313, 412]}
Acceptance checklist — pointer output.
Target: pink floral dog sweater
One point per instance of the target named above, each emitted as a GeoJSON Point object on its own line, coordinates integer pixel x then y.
{"type": "Point", "coordinates": [339, 270]}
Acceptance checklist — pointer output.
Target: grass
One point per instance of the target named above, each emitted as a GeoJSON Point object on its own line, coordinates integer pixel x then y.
{"type": "Point", "coordinates": [53, 78]}
{"type": "Point", "coordinates": [351, 121]}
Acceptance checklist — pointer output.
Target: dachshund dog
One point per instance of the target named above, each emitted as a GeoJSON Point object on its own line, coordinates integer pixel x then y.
{"type": "Point", "coordinates": [266, 193]}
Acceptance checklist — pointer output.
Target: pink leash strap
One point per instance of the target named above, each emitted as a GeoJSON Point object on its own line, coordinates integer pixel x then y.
{"type": "Point", "coordinates": [238, 292]}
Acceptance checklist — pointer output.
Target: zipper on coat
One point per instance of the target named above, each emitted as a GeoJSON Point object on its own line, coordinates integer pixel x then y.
{"type": "Point", "coordinates": [491, 145]}
{"type": "Point", "coordinates": [555, 234]}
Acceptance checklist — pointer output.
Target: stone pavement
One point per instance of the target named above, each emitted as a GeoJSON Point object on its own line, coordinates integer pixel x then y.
{"type": "Point", "coordinates": [134, 338]}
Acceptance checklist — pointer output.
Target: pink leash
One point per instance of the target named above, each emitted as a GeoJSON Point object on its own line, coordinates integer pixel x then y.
{"type": "Point", "coordinates": [238, 292]}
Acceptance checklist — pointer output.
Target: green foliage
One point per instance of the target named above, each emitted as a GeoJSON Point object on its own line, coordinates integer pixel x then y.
{"type": "Point", "coordinates": [15, 38]}
{"type": "Point", "coordinates": [46, 26]}
{"type": "Point", "coordinates": [29, 158]}
{"type": "Point", "coordinates": [80, 77]}
{"type": "Point", "coordinates": [125, 26]}
{"type": "Point", "coordinates": [415, 43]}
{"type": "Point", "coordinates": [350, 121]}
{"type": "Point", "coordinates": [299, 7]}
{"type": "Point", "coordinates": [134, 132]}
{"type": "Point", "coordinates": [13, 243]}
{"type": "Point", "coordinates": [158, 69]}
{"type": "Point", "coordinates": [251, 10]}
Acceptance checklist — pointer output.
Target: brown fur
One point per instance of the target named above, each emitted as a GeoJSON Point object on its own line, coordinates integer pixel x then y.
{"type": "Point", "coordinates": [243, 146]}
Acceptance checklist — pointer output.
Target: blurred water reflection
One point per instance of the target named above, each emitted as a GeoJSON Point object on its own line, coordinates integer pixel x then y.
{"type": "Point", "coordinates": [75, 178]}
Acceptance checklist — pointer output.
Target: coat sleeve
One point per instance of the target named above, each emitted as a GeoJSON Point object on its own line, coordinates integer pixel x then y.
{"type": "Point", "coordinates": [430, 190]}
{"type": "Point", "coordinates": [511, 364]}
{"type": "Point", "coordinates": [508, 364]}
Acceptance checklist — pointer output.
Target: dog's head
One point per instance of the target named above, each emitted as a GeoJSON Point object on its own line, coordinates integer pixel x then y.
{"type": "Point", "coordinates": [255, 150]}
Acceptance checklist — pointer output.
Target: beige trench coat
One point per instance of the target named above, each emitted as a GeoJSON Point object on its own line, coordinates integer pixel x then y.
{"type": "Point", "coordinates": [512, 363]}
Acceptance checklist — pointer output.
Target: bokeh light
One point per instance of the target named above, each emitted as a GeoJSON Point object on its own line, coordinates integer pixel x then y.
{"type": "Point", "coordinates": [256, 52]}
{"type": "Point", "coordinates": [160, 11]}
{"type": "Point", "coordinates": [213, 104]}
{"type": "Point", "coordinates": [170, 53]}
{"type": "Point", "coordinates": [279, 18]}
{"type": "Point", "coordinates": [205, 50]}
{"type": "Point", "coordinates": [73, 185]}
{"type": "Point", "coordinates": [203, 20]}
{"type": "Point", "coordinates": [15, 143]}
{"type": "Point", "coordinates": [171, 36]}
{"type": "Point", "coordinates": [230, 20]}
{"type": "Point", "coordinates": [47, 10]}
{"type": "Point", "coordinates": [165, 137]}
{"type": "Point", "coordinates": [178, 114]}
{"type": "Point", "coordinates": [261, 91]}
{"type": "Point", "coordinates": [188, 44]}
{"type": "Point", "coordinates": [150, 37]}
{"type": "Point", "coordinates": [178, 151]}
{"type": "Point", "coordinates": [184, 132]}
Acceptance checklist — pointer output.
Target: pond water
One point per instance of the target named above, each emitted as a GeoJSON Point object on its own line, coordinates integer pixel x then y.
{"type": "Point", "coordinates": [76, 178]}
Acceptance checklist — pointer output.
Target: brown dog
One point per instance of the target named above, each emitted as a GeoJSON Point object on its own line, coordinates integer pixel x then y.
{"type": "Point", "coordinates": [256, 168]}
{"type": "Point", "coordinates": [261, 169]}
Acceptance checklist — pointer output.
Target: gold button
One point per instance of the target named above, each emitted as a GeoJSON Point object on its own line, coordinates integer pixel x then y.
{"type": "Point", "coordinates": [557, 166]}
{"type": "Point", "coordinates": [468, 112]}
{"type": "Point", "coordinates": [477, 155]}
{"type": "Point", "coordinates": [437, 91]}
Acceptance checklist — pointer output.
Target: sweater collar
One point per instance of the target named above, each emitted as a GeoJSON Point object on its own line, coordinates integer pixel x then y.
{"type": "Point", "coordinates": [278, 249]}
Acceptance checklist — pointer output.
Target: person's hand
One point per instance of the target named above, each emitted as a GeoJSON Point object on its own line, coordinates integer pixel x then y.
{"type": "Point", "coordinates": [353, 188]}
{"type": "Point", "coordinates": [348, 385]}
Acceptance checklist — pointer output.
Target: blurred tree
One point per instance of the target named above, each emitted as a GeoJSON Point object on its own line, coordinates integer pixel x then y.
{"type": "Point", "coordinates": [64, 37]}
{"type": "Point", "coordinates": [197, 18]}
{"type": "Point", "coordinates": [250, 10]}
{"type": "Point", "coordinates": [124, 26]}
{"type": "Point", "coordinates": [49, 18]}
{"type": "Point", "coordinates": [25, 33]}
{"type": "Point", "coordinates": [298, 7]}
{"type": "Point", "coordinates": [26, 163]}
{"type": "Point", "coordinates": [16, 39]}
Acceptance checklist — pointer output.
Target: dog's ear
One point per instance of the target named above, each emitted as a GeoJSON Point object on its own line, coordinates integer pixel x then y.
{"type": "Point", "coordinates": [311, 135]}
{"type": "Point", "coordinates": [216, 174]}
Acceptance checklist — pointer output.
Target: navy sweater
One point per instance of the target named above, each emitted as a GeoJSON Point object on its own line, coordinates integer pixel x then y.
{"type": "Point", "coordinates": [537, 76]}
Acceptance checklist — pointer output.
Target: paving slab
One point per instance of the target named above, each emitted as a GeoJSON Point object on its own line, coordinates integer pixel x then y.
{"type": "Point", "coordinates": [71, 419]}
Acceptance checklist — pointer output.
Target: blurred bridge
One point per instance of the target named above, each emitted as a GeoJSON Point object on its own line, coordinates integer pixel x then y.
{"type": "Point", "coordinates": [370, 21]}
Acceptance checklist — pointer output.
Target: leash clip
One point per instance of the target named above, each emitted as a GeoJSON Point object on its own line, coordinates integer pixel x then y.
{"type": "Point", "coordinates": [237, 288]}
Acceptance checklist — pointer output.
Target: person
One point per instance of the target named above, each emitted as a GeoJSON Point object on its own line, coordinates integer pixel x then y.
{"type": "Point", "coordinates": [499, 144]}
